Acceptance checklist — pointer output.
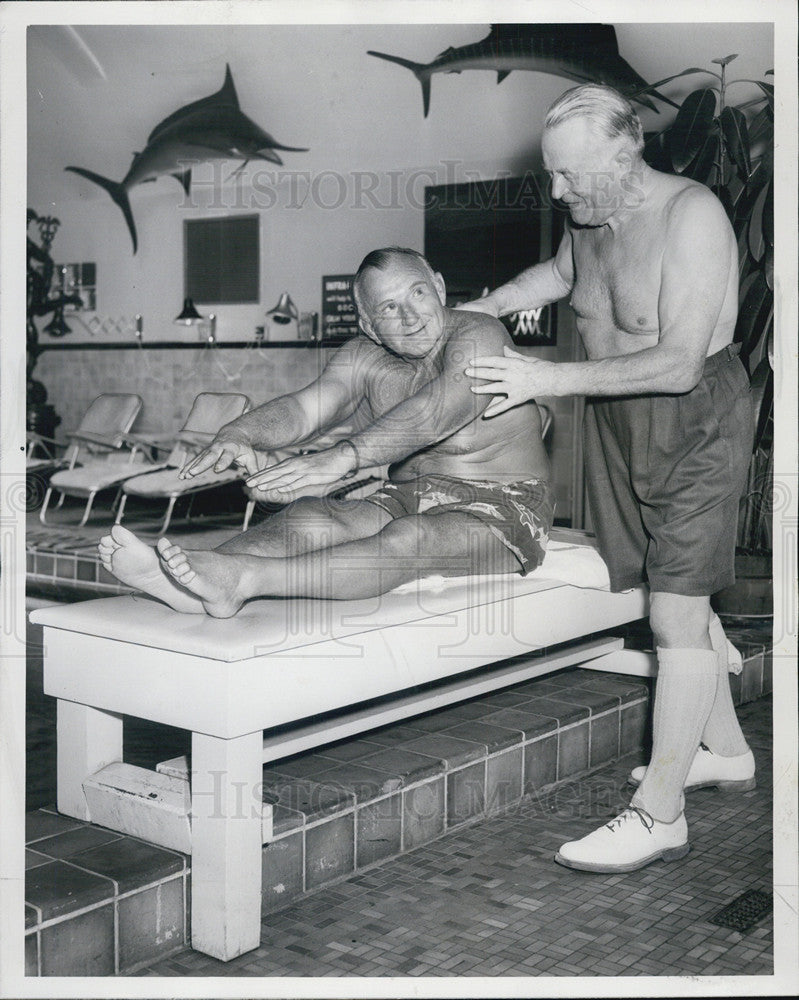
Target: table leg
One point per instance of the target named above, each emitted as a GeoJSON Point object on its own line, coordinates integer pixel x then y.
{"type": "Point", "coordinates": [86, 739]}
{"type": "Point", "coordinates": [226, 844]}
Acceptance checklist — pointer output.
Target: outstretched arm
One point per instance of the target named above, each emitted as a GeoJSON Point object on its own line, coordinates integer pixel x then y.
{"type": "Point", "coordinates": [537, 286]}
{"type": "Point", "coordinates": [437, 410]}
{"type": "Point", "coordinates": [286, 420]}
{"type": "Point", "coordinates": [699, 252]}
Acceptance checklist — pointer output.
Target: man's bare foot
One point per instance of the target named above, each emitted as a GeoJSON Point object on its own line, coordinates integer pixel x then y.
{"type": "Point", "coordinates": [136, 564]}
{"type": "Point", "coordinates": [217, 578]}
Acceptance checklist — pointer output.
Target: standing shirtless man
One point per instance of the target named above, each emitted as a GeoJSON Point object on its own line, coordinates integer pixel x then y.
{"type": "Point", "coordinates": [463, 496]}
{"type": "Point", "coordinates": [650, 263]}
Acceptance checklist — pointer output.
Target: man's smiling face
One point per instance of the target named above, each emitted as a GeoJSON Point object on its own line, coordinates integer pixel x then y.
{"type": "Point", "coordinates": [587, 170]}
{"type": "Point", "coordinates": [402, 307]}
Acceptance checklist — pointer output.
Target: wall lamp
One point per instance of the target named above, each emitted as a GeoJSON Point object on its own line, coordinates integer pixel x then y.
{"type": "Point", "coordinates": [284, 312]}
{"type": "Point", "coordinates": [206, 325]}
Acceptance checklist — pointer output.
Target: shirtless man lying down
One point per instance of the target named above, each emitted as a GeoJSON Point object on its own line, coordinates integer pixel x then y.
{"type": "Point", "coordinates": [463, 495]}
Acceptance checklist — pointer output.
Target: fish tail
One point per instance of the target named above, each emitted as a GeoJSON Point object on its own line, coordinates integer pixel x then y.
{"type": "Point", "coordinates": [418, 70]}
{"type": "Point", "coordinates": [118, 193]}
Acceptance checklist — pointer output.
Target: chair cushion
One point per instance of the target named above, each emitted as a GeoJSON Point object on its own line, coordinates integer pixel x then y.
{"type": "Point", "coordinates": [95, 476]}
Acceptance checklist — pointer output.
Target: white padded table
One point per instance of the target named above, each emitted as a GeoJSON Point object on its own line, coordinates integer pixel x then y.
{"type": "Point", "coordinates": [279, 662]}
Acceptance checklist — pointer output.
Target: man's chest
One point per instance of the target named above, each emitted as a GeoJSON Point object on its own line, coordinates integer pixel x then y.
{"type": "Point", "coordinates": [392, 382]}
{"type": "Point", "coordinates": [617, 280]}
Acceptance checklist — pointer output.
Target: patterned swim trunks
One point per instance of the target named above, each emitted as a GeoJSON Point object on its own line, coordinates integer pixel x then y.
{"type": "Point", "coordinates": [519, 514]}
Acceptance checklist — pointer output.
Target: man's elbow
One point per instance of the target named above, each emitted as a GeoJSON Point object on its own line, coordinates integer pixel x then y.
{"type": "Point", "coordinates": [685, 375]}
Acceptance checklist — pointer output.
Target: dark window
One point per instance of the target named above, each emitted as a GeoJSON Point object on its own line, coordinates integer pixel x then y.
{"type": "Point", "coordinates": [222, 259]}
{"type": "Point", "coordinates": [483, 233]}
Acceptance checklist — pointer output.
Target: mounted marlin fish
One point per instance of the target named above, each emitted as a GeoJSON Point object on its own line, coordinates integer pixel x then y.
{"type": "Point", "coordinates": [213, 128]}
{"type": "Point", "coordinates": [587, 53]}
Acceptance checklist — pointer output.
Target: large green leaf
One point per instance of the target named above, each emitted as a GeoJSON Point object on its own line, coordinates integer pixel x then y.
{"type": "Point", "coordinates": [701, 167]}
{"type": "Point", "coordinates": [768, 90]}
{"type": "Point", "coordinates": [761, 124]}
{"type": "Point", "coordinates": [769, 267]}
{"type": "Point", "coordinates": [754, 313]}
{"type": "Point", "coordinates": [691, 127]}
{"type": "Point", "coordinates": [756, 236]}
{"type": "Point", "coordinates": [743, 210]}
{"type": "Point", "coordinates": [724, 196]}
{"type": "Point", "coordinates": [762, 383]}
{"type": "Point", "coordinates": [656, 150]}
{"type": "Point", "coordinates": [768, 216]}
{"type": "Point", "coordinates": [736, 139]}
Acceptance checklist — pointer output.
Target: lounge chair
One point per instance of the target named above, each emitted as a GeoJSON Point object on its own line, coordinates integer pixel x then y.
{"type": "Point", "coordinates": [100, 452]}
{"type": "Point", "coordinates": [209, 412]}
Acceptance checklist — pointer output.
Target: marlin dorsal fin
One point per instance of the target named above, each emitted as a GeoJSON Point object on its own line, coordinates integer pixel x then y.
{"type": "Point", "coordinates": [226, 96]}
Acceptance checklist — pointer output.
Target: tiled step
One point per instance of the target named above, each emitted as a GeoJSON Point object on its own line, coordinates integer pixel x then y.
{"type": "Point", "coordinates": [101, 903]}
{"type": "Point", "coordinates": [98, 903]}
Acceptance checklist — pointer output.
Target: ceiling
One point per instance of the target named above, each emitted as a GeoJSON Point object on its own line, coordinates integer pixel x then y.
{"type": "Point", "coordinates": [95, 92]}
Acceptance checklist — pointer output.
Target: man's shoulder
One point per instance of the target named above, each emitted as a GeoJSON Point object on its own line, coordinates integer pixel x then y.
{"type": "Point", "coordinates": [476, 329]}
{"type": "Point", "coordinates": [692, 208]}
{"type": "Point", "coordinates": [681, 196]}
{"type": "Point", "coordinates": [357, 350]}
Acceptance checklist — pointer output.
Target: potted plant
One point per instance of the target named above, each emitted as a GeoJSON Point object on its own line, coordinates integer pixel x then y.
{"type": "Point", "coordinates": [730, 148]}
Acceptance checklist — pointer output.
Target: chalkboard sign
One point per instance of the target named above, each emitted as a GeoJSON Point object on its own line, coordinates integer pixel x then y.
{"type": "Point", "coordinates": [339, 314]}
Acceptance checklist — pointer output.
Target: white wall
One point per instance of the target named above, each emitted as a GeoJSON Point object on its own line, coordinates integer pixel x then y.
{"type": "Point", "coordinates": [360, 117]}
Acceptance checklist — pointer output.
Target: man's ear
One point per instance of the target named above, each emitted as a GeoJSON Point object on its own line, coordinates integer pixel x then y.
{"type": "Point", "coordinates": [367, 328]}
{"type": "Point", "coordinates": [440, 287]}
{"type": "Point", "coordinates": [624, 158]}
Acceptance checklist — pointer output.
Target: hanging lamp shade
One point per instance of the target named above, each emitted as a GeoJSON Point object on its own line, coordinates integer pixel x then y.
{"type": "Point", "coordinates": [189, 316]}
{"type": "Point", "coordinates": [285, 310]}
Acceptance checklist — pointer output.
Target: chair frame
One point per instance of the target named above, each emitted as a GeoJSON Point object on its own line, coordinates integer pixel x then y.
{"type": "Point", "coordinates": [78, 439]}
{"type": "Point", "coordinates": [191, 440]}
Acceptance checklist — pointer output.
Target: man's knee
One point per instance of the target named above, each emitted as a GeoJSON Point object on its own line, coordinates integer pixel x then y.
{"type": "Point", "coordinates": [444, 537]}
{"type": "Point", "coordinates": [404, 536]}
{"type": "Point", "coordinates": [678, 621]}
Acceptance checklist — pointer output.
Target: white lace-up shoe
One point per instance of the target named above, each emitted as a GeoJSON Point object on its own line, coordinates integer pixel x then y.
{"type": "Point", "coordinates": [709, 770]}
{"type": "Point", "coordinates": [628, 842]}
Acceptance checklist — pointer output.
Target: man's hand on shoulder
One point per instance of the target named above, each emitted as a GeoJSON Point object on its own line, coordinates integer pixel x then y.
{"type": "Point", "coordinates": [512, 378]}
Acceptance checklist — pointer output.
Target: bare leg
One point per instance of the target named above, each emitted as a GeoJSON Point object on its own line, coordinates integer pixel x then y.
{"type": "Point", "coordinates": [306, 524]}
{"type": "Point", "coordinates": [449, 544]}
{"type": "Point", "coordinates": [137, 564]}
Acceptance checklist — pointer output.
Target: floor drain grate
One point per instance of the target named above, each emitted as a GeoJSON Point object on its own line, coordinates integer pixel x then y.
{"type": "Point", "coordinates": [745, 911]}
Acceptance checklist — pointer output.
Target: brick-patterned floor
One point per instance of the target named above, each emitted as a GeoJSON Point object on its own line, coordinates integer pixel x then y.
{"type": "Point", "coordinates": [489, 901]}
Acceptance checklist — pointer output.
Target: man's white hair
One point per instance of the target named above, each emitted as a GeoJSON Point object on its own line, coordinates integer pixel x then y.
{"type": "Point", "coordinates": [605, 108]}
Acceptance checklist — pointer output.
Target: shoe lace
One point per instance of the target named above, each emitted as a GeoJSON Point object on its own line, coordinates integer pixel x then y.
{"type": "Point", "coordinates": [629, 813]}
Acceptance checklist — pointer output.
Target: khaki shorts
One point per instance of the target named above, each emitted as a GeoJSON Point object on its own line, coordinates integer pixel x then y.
{"type": "Point", "coordinates": [664, 476]}
{"type": "Point", "coordinates": [519, 514]}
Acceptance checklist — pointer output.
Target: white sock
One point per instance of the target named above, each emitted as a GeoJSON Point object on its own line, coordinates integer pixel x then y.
{"type": "Point", "coordinates": [684, 694]}
{"type": "Point", "coordinates": [722, 733]}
